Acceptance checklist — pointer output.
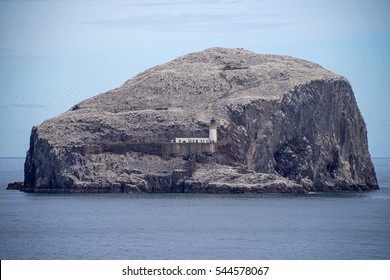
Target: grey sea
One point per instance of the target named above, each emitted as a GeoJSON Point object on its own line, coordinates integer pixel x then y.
{"type": "Point", "coordinates": [353, 225]}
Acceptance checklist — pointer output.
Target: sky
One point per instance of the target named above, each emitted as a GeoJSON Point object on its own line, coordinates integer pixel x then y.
{"type": "Point", "coordinates": [54, 54]}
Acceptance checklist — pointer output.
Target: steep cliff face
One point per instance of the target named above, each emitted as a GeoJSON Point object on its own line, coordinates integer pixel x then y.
{"type": "Point", "coordinates": [284, 125]}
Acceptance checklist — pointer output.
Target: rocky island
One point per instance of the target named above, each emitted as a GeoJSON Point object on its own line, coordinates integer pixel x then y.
{"type": "Point", "coordinates": [284, 125]}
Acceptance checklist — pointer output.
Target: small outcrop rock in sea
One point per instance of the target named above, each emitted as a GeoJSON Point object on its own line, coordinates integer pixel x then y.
{"type": "Point", "coordinates": [15, 186]}
{"type": "Point", "coordinates": [284, 125]}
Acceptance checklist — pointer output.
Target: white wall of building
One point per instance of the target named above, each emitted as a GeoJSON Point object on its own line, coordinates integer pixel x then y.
{"type": "Point", "coordinates": [192, 140]}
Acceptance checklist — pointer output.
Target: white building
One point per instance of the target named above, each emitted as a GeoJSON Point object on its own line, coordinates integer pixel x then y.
{"type": "Point", "coordinates": [192, 140]}
{"type": "Point", "coordinates": [212, 135]}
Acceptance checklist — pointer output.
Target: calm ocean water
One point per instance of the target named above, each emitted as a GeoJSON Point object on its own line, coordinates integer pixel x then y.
{"type": "Point", "coordinates": [193, 226]}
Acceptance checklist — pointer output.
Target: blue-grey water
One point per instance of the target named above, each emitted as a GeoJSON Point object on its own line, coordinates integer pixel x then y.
{"type": "Point", "coordinates": [352, 225]}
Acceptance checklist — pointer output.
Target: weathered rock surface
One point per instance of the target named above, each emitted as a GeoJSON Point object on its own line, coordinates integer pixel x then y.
{"type": "Point", "coordinates": [285, 125]}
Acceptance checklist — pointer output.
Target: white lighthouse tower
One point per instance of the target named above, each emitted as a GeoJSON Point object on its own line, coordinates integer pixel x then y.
{"type": "Point", "coordinates": [213, 131]}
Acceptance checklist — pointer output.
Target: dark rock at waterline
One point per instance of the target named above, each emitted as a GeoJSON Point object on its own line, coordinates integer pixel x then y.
{"type": "Point", "coordinates": [15, 186]}
{"type": "Point", "coordinates": [284, 125]}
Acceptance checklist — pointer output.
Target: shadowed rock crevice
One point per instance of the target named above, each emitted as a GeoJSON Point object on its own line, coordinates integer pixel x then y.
{"type": "Point", "coordinates": [284, 125]}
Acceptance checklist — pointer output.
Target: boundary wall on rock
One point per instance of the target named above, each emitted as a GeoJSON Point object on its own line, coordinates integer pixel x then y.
{"type": "Point", "coordinates": [165, 150]}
